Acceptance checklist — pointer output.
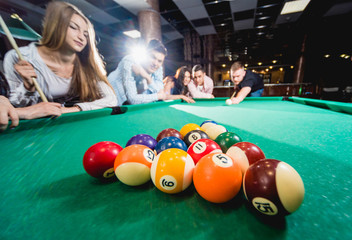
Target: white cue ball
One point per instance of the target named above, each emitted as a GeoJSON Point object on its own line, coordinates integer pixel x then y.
{"type": "Point", "coordinates": [228, 101]}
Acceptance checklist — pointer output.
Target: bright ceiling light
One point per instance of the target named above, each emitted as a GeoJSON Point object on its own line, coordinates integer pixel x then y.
{"type": "Point", "coordinates": [138, 52]}
{"type": "Point", "coordinates": [133, 34]}
{"type": "Point", "coordinates": [294, 6]}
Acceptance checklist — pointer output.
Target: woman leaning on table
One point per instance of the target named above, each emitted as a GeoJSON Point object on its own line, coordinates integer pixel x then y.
{"type": "Point", "coordinates": [66, 64]}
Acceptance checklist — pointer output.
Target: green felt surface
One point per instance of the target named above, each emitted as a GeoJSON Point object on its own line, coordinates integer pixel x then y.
{"type": "Point", "coordinates": [46, 193]}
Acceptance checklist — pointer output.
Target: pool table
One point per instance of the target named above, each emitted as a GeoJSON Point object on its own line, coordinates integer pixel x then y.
{"type": "Point", "coordinates": [46, 193]}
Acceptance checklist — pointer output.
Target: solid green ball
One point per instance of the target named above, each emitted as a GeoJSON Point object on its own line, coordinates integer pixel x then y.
{"type": "Point", "coordinates": [227, 139]}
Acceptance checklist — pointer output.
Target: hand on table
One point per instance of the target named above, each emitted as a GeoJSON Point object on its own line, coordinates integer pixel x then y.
{"type": "Point", "coordinates": [187, 99]}
{"type": "Point", "coordinates": [39, 110]}
{"type": "Point", "coordinates": [162, 95]}
{"type": "Point", "coordinates": [75, 108]}
{"type": "Point", "coordinates": [236, 100]}
{"type": "Point", "coordinates": [7, 111]}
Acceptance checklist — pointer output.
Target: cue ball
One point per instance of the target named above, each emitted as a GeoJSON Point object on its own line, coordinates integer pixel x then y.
{"type": "Point", "coordinates": [172, 171]}
{"type": "Point", "coordinates": [273, 187]}
{"type": "Point", "coordinates": [217, 178]}
{"type": "Point", "coordinates": [228, 101]}
{"type": "Point", "coordinates": [132, 164]}
{"type": "Point", "coordinates": [98, 160]}
{"type": "Point", "coordinates": [245, 154]}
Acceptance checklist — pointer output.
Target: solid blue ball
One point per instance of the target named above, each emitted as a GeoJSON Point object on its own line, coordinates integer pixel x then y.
{"type": "Point", "coordinates": [170, 142]}
{"type": "Point", "coordinates": [142, 139]}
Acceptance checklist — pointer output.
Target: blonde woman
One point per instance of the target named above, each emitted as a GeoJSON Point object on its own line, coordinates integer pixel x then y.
{"type": "Point", "coordinates": [66, 64]}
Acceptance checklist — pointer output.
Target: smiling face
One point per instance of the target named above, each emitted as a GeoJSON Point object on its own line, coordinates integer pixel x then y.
{"type": "Point", "coordinates": [154, 61]}
{"type": "Point", "coordinates": [199, 77]}
{"type": "Point", "coordinates": [77, 33]}
{"type": "Point", "coordinates": [187, 78]}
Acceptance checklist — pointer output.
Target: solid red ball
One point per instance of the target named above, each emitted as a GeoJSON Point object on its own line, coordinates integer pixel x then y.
{"type": "Point", "coordinates": [98, 160]}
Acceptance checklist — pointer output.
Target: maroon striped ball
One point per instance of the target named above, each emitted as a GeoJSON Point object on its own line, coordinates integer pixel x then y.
{"type": "Point", "coordinates": [273, 187]}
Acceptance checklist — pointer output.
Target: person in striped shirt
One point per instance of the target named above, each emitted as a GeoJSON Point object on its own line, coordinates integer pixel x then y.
{"type": "Point", "coordinates": [138, 81]}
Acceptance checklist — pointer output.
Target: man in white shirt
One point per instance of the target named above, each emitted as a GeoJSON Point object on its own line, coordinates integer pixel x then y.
{"type": "Point", "coordinates": [202, 86]}
{"type": "Point", "coordinates": [135, 82]}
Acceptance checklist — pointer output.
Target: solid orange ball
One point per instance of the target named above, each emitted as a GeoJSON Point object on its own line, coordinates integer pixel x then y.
{"type": "Point", "coordinates": [217, 178]}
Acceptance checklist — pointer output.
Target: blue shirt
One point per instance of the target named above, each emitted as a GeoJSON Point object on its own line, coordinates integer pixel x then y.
{"type": "Point", "coordinates": [132, 88]}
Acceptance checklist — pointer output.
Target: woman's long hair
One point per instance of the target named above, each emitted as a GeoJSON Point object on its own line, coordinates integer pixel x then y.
{"type": "Point", "coordinates": [89, 67]}
{"type": "Point", "coordinates": [180, 76]}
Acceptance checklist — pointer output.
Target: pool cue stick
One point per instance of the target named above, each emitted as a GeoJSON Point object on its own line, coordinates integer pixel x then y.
{"type": "Point", "coordinates": [234, 93]}
{"type": "Point", "coordinates": [14, 45]}
{"type": "Point", "coordinates": [15, 16]}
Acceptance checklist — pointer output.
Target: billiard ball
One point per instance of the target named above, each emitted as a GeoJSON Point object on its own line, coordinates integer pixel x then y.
{"type": "Point", "coordinates": [168, 132]}
{"type": "Point", "coordinates": [215, 130]}
{"type": "Point", "coordinates": [207, 124]}
{"type": "Point", "coordinates": [98, 160]}
{"type": "Point", "coordinates": [189, 127]}
{"type": "Point", "coordinates": [193, 136]}
{"type": "Point", "coordinates": [227, 139]}
{"type": "Point", "coordinates": [207, 121]}
{"type": "Point", "coordinates": [228, 101]}
{"type": "Point", "coordinates": [142, 139]}
{"type": "Point", "coordinates": [170, 142]}
{"type": "Point", "coordinates": [245, 153]}
{"type": "Point", "coordinates": [217, 178]}
{"type": "Point", "coordinates": [172, 170]}
{"type": "Point", "coordinates": [202, 147]}
{"type": "Point", "coordinates": [132, 165]}
{"type": "Point", "coordinates": [273, 187]}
